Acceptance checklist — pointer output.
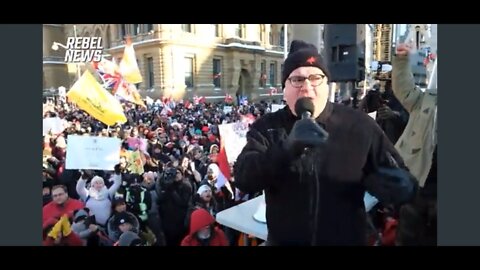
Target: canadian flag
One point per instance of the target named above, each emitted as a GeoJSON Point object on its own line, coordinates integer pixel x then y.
{"type": "Point", "coordinates": [222, 160]}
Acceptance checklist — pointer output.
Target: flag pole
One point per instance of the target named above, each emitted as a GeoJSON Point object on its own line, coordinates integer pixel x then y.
{"type": "Point", "coordinates": [78, 65]}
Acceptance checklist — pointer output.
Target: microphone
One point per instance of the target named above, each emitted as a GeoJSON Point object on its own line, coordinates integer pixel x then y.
{"type": "Point", "coordinates": [304, 107]}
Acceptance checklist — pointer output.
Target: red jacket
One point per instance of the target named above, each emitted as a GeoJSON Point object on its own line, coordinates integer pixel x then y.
{"type": "Point", "coordinates": [71, 240]}
{"type": "Point", "coordinates": [54, 211]}
{"type": "Point", "coordinates": [201, 218]}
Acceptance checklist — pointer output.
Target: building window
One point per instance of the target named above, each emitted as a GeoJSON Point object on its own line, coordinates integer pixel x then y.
{"type": "Point", "coordinates": [189, 72]}
{"type": "Point", "coordinates": [187, 28]}
{"type": "Point", "coordinates": [150, 73]}
{"type": "Point", "coordinates": [262, 33]}
{"type": "Point", "coordinates": [135, 29]}
{"type": "Point", "coordinates": [270, 34]}
{"type": "Point", "coordinates": [240, 30]}
{"type": "Point", "coordinates": [273, 71]}
{"type": "Point", "coordinates": [122, 31]}
{"type": "Point", "coordinates": [263, 73]}
{"type": "Point", "coordinates": [217, 30]}
{"type": "Point", "coordinates": [282, 36]}
{"type": "Point", "coordinates": [217, 73]}
{"type": "Point", "coordinates": [149, 27]}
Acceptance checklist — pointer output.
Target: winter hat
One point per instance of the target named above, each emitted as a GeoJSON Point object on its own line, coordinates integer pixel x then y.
{"type": "Point", "coordinates": [150, 175]}
{"type": "Point", "coordinates": [302, 54]}
{"type": "Point", "coordinates": [123, 218]}
{"type": "Point", "coordinates": [80, 214]}
{"type": "Point", "coordinates": [128, 239]}
{"type": "Point", "coordinates": [98, 179]}
{"type": "Point", "coordinates": [202, 189]}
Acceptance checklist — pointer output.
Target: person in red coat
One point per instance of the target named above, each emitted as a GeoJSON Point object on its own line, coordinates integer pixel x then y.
{"type": "Point", "coordinates": [60, 205]}
{"type": "Point", "coordinates": [60, 233]}
{"type": "Point", "coordinates": [203, 232]}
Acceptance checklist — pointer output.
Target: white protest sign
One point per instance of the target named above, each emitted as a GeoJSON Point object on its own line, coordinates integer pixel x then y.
{"type": "Point", "coordinates": [54, 124]}
{"type": "Point", "coordinates": [276, 107]}
{"type": "Point", "coordinates": [234, 137]}
{"type": "Point", "coordinates": [62, 91]}
{"type": "Point", "coordinates": [92, 153]}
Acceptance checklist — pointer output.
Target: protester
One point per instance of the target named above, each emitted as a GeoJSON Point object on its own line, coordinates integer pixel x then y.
{"type": "Point", "coordinates": [418, 146]}
{"type": "Point", "coordinates": [98, 197]}
{"type": "Point", "coordinates": [203, 232]}
{"type": "Point", "coordinates": [315, 172]}
{"type": "Point", "coordinates": [61, 205]}
{"type": "Point", "coordinates": [390, 114]}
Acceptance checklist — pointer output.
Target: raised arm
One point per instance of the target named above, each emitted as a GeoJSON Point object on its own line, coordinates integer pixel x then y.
{"type": "Point", "coordinates": [403, 83]}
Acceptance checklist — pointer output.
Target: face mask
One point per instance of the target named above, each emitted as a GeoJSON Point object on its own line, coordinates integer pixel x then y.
{"type": "Point", "coordinates": [204, 234]}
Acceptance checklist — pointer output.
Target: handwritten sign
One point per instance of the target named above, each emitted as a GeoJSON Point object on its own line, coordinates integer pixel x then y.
{"type": "Point", "coordinates": [234, 136]}
{"type": "Point", "coordinates": [92, 153]}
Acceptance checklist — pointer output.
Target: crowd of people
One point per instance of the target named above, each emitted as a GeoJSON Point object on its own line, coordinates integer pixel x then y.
{"type": "Point", "coordinates": [172, 200]}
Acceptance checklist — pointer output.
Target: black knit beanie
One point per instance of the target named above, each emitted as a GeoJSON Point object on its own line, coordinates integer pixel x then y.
{"type": "Point", "coordinates": [302, 54]}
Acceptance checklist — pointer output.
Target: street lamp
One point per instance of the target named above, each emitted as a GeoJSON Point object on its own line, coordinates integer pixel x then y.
{"type": "Point", "coordinates": [56, 45]}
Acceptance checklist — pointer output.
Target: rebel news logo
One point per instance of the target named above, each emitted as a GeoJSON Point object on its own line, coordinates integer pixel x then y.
{"type": "Point", "coordinates": [83, 49]}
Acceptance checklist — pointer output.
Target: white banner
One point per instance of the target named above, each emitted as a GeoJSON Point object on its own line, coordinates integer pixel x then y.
{"type": "Point", "coordinates": [92, 153]}
{"type": "Point", "coordinates": [234, 136]}
{"type": "Point", "coordinates": [276, 107]}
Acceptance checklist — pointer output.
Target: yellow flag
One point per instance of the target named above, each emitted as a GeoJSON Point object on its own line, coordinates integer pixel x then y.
{"type": "Point", "coordinates": [129, 66]}
{"type": "Point", "coordinates": [89, 96]}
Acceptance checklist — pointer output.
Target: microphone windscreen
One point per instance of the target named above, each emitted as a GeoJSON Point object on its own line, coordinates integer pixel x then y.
{"type": "Point", "coordinates": [304, 104]}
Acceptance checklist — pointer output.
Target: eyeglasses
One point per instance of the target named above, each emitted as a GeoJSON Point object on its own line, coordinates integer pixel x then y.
{"type": "Point", "coordinates": [314, 79]}
{"type": "Point", "coordinates": [58, 194]}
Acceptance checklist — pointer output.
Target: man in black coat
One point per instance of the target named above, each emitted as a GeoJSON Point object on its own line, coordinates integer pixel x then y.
{"type": "Point", "coordinates": [315, 170]}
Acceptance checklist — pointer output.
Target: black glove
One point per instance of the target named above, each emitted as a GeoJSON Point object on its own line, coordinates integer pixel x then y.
{"type": "Point", "coordinates": [87, 174]}
{"type": "Point", "coordinates": [305, 133]}
{"type": "Point", "coordinates": [392, 185]}
{"type": "Point", "coordinates": [117, 169]}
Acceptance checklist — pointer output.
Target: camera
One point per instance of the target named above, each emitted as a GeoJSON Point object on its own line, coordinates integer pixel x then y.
{"type": "Point", "coordinates": [169, 175]}
{"type": "Point", "coordinates": [90, 220]}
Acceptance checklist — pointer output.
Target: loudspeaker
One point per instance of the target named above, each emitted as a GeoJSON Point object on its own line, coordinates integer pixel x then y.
{"type": "Point", "coordinates": [344, 46]}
